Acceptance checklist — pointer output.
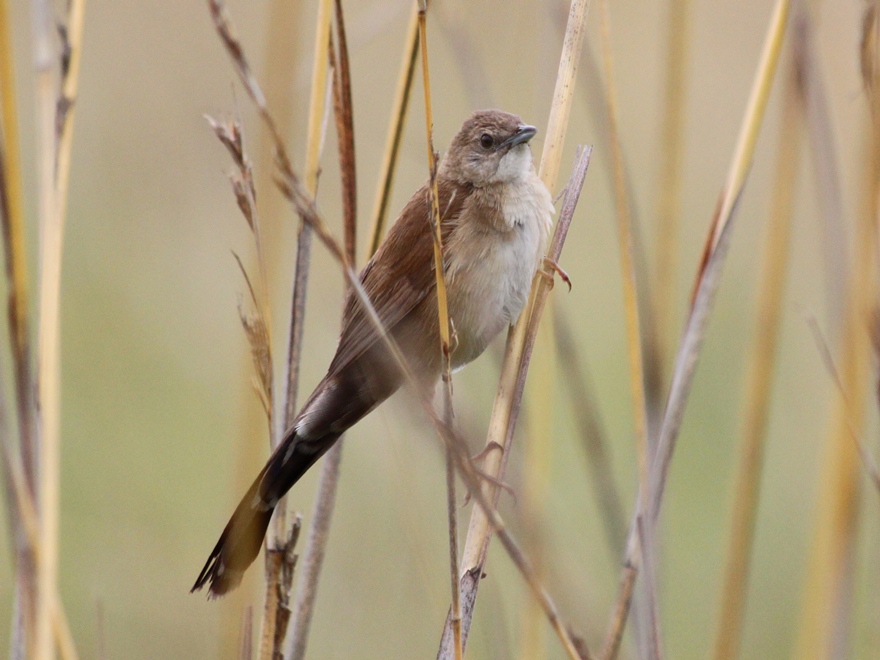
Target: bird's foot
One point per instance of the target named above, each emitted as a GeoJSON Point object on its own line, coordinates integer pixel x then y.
{"type": "Point", "coordinates": [554, 267]}
{"type": "Point", "coordinates": [482, 474]}
{"type": "Point", "coordinates": [488, 449]}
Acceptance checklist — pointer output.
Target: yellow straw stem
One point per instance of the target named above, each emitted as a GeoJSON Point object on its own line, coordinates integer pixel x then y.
{"type": "Point", "coordinates": [395, 132]}
{"type": "Point", "coordinates": [759, 383]}
{"type": "Point", "coordinates": [54, 181]}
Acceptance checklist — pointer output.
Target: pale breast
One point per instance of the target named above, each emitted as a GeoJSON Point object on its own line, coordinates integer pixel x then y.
{"type": "Point", "coordinates": [493, 255]}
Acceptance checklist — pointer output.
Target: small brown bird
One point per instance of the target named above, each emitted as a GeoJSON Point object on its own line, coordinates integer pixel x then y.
{"type": "Point", "coordinates": [495, 218]}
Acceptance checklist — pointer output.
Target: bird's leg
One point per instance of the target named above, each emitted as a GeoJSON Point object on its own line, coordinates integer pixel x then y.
{"type": "Point", "coordinates": [554, 268]}
{"type": "Point", "coordinates": [492, 446]}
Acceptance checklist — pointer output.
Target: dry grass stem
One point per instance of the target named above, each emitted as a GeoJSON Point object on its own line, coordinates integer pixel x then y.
{"type": "Point", "coordinates": [15, 254]}
{"type": "Point", "coordinates": [15, 261]}
{"type": "Point", "coordinates": [758, 386]}
{"type": "Point", "coordinates": [443, 326]}
{"type": "Point", "coordinates": [25, 525]}
{"type": "Point", "coordinates": [706, 285]}
{"type": "Point", "coordinates": [395, 131]}
{"type": "Point", "coordinates": [246, 645]}
{"type": "Point", "coordinates": [633, 326]}
{"type": "Point", "coordinates": [256, 325]}
{"type": "Point", "coordinates": [56, 136]}
{"type": "Point", "coordinates": [342, 111]}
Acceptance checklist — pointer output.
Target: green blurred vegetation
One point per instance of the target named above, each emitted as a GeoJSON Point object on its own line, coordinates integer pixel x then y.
{"type": "Point", "coordinates": [156, 376]}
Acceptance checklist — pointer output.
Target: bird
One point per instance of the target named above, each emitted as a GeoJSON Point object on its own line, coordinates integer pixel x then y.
{"type": "Point", "coordinates": [495, 218]}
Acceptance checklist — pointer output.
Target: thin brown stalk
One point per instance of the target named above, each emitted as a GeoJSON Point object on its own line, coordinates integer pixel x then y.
{"type": "Point", "coordinates": [706, 286]}
{"type": "Point", "coordinates": [15, 254]}
{"type": "Point", "coordinates": [295, 191]}
{"type": "Point", "coordinates": [507, 401]}
{"type": "Point", "coordinates": [443, 325]}
{"type": "Point", "coordinates": [395, 131]}
{"type": "Point", "coordinates": [344, 115]}
{"type": "Point", "coordinates": [758, 386]}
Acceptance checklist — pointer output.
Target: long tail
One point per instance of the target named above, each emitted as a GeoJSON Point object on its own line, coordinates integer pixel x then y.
{"type": "Point", "coordinates": [240, 542]}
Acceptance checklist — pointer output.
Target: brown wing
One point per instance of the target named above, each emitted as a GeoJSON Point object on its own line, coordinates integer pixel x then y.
{"type": "Point", "coordinates": [401, 273]}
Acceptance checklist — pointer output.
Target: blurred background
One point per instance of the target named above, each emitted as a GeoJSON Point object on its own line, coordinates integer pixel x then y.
{"type": "Point", "coordinates": [162, 431]}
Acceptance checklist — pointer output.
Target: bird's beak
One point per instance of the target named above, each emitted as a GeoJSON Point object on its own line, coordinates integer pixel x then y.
{"type": "Point", "coordinates": [523, 134]}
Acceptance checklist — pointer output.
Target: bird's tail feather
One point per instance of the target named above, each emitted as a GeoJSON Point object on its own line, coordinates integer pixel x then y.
{"type": "Point", "coordinates": [242, 538]}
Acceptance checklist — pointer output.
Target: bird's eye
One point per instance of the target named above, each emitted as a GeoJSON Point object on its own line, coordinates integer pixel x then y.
{"type": "Point", "coordinates": [486, 141]}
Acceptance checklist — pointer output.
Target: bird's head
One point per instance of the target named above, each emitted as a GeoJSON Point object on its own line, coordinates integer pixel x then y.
{"type": "Point", "coordinates": [491, 147]}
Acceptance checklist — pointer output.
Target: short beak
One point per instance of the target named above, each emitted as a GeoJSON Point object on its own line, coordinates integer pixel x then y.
{"type": "Point", "coordinates": [523, 134]}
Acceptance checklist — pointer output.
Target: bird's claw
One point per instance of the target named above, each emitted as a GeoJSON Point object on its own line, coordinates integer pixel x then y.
{"type": "Point", "coordinates": [489, 448]}
{"type": "Point", "coordinates": [492, 446]}
{"type": "Point", "coordinates": [554, 268]}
